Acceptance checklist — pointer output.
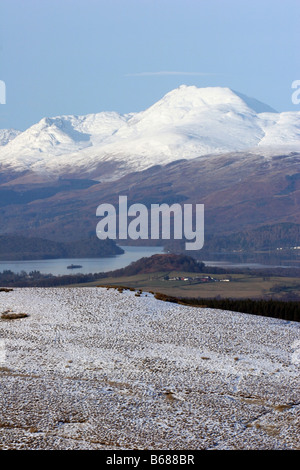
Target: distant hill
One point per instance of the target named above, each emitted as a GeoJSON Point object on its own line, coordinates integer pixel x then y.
{"type": "Point", "coordinates": [16, 247]}
{"type": "Point", "coordinates": [160, 263]}
{"type": "Point", "coordinates": [240, 192]}
{"type": "Point", "coordinates": [282, 236]}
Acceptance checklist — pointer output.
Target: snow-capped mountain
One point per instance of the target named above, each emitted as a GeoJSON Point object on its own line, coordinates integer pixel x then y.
{"type": "Point", "coordinates": [6, 135]}
{"type": "Point", "coordinates": [187, 122]}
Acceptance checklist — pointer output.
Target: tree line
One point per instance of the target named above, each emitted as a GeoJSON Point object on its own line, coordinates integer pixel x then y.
{"type": "Point", "coordinates": [285, 310]}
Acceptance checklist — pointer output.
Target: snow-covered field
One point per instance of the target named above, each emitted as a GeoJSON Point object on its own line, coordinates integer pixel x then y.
{"type": "Point", "coordinates": [92, 368]}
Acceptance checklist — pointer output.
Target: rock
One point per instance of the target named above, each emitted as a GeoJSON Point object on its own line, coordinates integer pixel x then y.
{"type": "Point", "coordinates": [10, 315]}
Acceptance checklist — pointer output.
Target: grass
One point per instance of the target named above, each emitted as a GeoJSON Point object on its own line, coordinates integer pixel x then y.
{"type": "Point", "coordinates": [286, 310]}
{"type": "Point", "coordinates": [240, 285]}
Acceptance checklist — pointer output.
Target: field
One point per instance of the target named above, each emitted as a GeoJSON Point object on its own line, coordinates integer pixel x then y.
{"type": "Point", "coordinates": [239, 285]}
{"type": "Point", "coordinates": [95, 368]}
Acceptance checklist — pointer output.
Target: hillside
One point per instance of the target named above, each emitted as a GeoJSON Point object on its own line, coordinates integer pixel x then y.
{"type": "Point", "coordinates": [127, 372]}
{"type": "Point", "coordinates": [277, 237]}
{"type": "Point", "coordinates": [160, 263]}
{"type": "Point", "coordinates": [240, 194]}
{"type": "Point", "coordinates": [16, 247]}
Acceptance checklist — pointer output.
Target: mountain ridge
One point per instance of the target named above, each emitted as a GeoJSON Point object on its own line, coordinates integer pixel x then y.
{"type": "Point", "coordinates": [240, 192]}
{"type": "Point", "coordinates": [187, 122]}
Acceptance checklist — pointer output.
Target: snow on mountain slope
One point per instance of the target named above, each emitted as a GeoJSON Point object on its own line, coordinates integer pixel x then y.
{"type": "Point", "coordinates": [187, 122]}
{"type": "Point", "coordinates": [279, 129]}
{"type": "Point", "coordinates": [59, 136]}
{"type": "Point", "coordinates": [256, 105]}
{"type": "Point", "coordinates": [6, 135]}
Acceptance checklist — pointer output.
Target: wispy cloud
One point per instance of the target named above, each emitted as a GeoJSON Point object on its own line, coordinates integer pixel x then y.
{"type": "Point", "coordinates": [166, 72]}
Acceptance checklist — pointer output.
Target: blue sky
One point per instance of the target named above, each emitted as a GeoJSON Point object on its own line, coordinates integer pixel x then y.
{"type": "Point", "coordinates": [87, 56]}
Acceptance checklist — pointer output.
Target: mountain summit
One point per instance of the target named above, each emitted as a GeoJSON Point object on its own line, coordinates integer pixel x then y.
{"type": "Point", "coordinates": [187, 122]}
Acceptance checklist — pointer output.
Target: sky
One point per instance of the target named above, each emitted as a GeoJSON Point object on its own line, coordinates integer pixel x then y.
{"type": "Point", "coordinates": [79, 57]}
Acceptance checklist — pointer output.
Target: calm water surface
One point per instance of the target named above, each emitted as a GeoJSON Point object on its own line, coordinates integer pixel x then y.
{"type": "Point", "coordinates": [133, 253]}
{"type": "Point", "coordinates": [89, 265]}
